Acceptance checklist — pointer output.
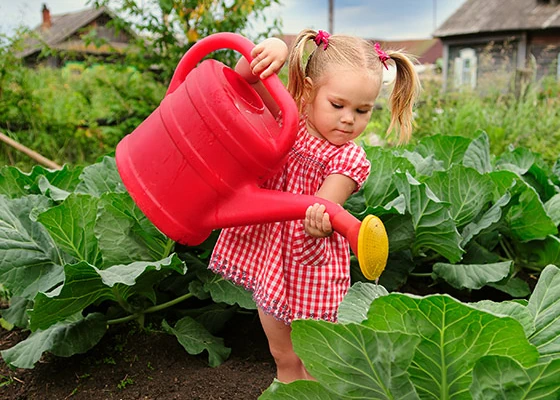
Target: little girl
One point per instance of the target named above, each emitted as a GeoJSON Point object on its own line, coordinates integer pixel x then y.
{"type": "Point", "coordinates": [301, 269]}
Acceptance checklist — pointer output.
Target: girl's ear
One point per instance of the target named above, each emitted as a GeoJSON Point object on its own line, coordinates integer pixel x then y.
{"type": "Point", "coordinates": [307, 90]}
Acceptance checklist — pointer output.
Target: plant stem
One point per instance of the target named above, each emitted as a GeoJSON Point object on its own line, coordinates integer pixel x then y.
{"type": "Point", "coordinates": [168, 304]}
{"type": "Point", "coordinates": [421, 274]}
{"type": "Point", "coordinates": [506, 248]}
{"type": "Point", "coordinates": [120, 300]}
{"type": "Point", "coordinates": [532, 268]}
{"type": "Point", "coordinates": [168, 246]}
{"type": "Point", "coordinates": [122, 320]}
{"type": "Point", "coordinates": [149, 310]}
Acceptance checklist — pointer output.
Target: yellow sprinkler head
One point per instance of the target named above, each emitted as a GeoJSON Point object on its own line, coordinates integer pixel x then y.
{"type": "Point", "coordinates": [373, 247]}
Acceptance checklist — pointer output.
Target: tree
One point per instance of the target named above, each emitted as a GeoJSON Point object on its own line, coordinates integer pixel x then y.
{"type": "Point", "coordinates": [168, 28]}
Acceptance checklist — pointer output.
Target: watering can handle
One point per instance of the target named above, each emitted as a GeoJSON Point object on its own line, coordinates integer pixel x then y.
{"type": "Point", "coordinates": [228, 40]}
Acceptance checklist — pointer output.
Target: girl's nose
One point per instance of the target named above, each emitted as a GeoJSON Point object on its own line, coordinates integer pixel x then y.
{"type": "Point", "coordinates": [347, 117]}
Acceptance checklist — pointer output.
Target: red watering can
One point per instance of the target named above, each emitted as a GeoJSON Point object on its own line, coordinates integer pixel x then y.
{"type": "Point", "coordinates": [195, 164]}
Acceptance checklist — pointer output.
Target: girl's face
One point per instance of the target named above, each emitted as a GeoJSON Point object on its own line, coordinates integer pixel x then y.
{"type": "Point", "coordinates": [342, 105]}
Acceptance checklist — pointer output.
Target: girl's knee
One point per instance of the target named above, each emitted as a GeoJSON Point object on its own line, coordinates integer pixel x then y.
{"type": "Point", "coordinates": [285, 356]}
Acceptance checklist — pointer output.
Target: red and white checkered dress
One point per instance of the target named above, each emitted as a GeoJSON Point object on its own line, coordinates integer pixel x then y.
{"type": "Point", "coordinates": [291, 274]}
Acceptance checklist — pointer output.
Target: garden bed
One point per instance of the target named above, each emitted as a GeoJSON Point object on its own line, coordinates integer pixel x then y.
{"type": "Point", "coordinates": [133, 364]}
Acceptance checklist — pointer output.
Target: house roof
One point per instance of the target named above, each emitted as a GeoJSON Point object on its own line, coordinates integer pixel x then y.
{"type": "Point", "coordinates": [478, 16]}
{"type": "Point", "coordinates": [426, 51]}
{"type": "Point", "coordinates": [63, 26]}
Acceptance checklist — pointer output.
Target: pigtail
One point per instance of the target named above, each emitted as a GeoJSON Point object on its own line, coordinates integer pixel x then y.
{"type": "Point", "coordinates": [403, 96]}
{"type": "Point", "coordinates": [296, 72]}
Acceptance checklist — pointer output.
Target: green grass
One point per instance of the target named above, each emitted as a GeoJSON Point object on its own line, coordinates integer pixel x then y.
{"type": "Point", "coordinates": [530, 120]}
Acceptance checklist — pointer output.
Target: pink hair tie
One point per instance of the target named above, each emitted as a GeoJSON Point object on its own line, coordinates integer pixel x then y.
{"type": "Point", "coordinates": [322, 37]}
{"type": "Point", "coordinates": [382, 55]}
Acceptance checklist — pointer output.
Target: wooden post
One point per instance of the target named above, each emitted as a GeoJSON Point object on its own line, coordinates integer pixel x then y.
{"type": "Point", "coordinates": [331, 16]}
{"type": "Point", "coordinates": [27, 151]}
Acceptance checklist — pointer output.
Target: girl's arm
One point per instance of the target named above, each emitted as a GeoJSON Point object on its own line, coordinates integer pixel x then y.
{"type": "Point", "coordinates": [336, 188]}
{"type": "Point", "coordinates": [268, 58]}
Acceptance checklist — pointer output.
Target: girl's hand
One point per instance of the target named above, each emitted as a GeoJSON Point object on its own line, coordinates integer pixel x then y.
{"type": "Point", "coordinates": [317, 222]}
{"type": "Point", "coordinates": [268, 57]}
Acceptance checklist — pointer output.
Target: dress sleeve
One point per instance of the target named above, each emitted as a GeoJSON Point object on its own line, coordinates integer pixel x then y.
{"type": "Point", "coordinates": [352, 162]}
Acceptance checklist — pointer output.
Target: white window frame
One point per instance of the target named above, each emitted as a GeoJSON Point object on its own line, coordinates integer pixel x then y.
{"type": "Point", "coordinates": [465, 68]}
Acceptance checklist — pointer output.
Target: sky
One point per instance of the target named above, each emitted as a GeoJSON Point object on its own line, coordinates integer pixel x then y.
{"type": "Point", "coordinates": [380, 19]}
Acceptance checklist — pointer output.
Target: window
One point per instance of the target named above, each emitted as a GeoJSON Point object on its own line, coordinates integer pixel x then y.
{"type": "Point", "coordinates": [465, 68]}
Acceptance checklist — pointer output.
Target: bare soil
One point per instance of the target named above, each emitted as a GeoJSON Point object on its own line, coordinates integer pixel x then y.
{"type": "Point", "coordinates": [137, 364]}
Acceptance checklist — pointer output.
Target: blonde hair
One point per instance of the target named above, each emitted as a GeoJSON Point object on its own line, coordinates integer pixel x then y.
{"type": "Point", "coordinates": [356, 53]}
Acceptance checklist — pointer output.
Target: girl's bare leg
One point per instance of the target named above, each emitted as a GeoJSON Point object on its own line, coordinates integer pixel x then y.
{"type": "Point", "coordinates": [288, 365]}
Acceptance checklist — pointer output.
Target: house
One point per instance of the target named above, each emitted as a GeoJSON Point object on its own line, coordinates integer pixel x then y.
{"type": "Point", "coordinates": [426, 51]}
{"type": "Point", "coordinates": [64, 33]}
{"type": "Point", "coordinates": [500, 42]}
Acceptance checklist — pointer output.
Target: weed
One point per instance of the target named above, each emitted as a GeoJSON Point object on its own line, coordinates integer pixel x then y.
{"type": "Point", "coordinates": [109, 360]}
{"type": "Point", "coordinates": [6, 380]}
{"type": "Point", "coordinates": [125, 382]}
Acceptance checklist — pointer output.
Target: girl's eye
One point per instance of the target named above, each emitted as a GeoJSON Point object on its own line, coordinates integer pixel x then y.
{"type": "Point", "coordinates": [362, 111]}
{"type": "Point", "coordinates": [337, 106]}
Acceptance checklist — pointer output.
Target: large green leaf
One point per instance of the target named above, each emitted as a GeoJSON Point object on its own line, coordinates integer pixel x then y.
{"type": "Point", "coordinates": [518, 161]}
{"type": "Point", "coordinates": [527, 218]}
{"type": "Point", "coordinates": [71, 224]}
{"type": "Point", "coordinates": [472, 276]}
{"type": "Point", "coordinates": [355, 361]}
{"type": "Point", "coordinates": [540, 253]}
{"type": "Point", "coordinates": [51, 191]}
{"type": "Point", "coordinates": [100, 178]}
{"type": "Point", "coordinates": [539, 177]}
{"type": "Point", "coordinates": [532, 168]}
{"type": "Point", "coordinates": [355, 305]}
{"type": "Point", "coordinates": [125, 234]}
{"type": "Point", "coordinates": [73, 336]}
{"type": "Point", "coordinates": [224, 291]}
{"type": "Point", "coordinates": [15, 183]}
{"type": "Point", "coordinates": [453, 337]}
{"type": "Point", "coordinates": [544, 304]}
{"type": "Point", "coordinates": [29, 259]}
{"type": "Point", "coordinates": [477, 155]}
{"type": "Point", "coordinates": [505, 182]}
{"type": "Point", "coordinates": [66, 179]}
{"type": "Point", "coordinates": [552, 207]}
{"type": "Point", "coordinates": [514, 286]}
{"type": "Point", "coordinates": [396, 272]}
{"type": "Point", "coordinates": [16, 314]}
{"type": "Point", "coordinates": [379, 188]}
{"type": "Point", "coordinates": [424, 166]}
{"type": "Point", "coordinates": [400, 232]}
{"type": "Point", "coordinates": [509, 309]}
{"type": "Point", "coordinates": [214, 317]}
{"type": "Point", "coordinates": [195, 339]}
{"type": "Point", "coordinates": [465, 189]}
{"type": "Point", "coordinates": [449, 149]}
{"type": "Point", "coordinates": [433, 225]}
{"type": "Point", "coordinates": [299, 390]}
{"type": "Point", "coordinates": [491, 216]}
{"type": "Point", "coordinates": [496, 377]}
{"type": "Point", "coordinates": [85, 284]}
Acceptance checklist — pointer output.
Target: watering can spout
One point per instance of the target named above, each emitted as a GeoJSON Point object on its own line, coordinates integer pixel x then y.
{"type": "Point", "coordinates": [367, 239]}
